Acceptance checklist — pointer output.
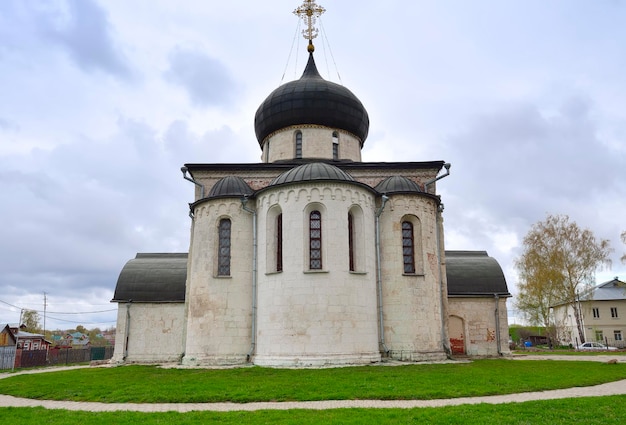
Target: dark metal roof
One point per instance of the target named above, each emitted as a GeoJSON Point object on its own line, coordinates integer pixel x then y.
{"type": "Point", "coordinates": [312, 171]}
{"type": "Point", "coordinates": [230, 186]}
{"type": "Point", "coordinates": [160, 278]}
{"type": "Point", "coordinates": [474, 273]}
{"type": "Point", "coordinates": [153, 278]}
{"type": "Point", "coordinates": [283, 166]}
{"type": "Point", "coordinates": [398, 184]}
{"type": "Point", "coordinates": [311, 100]}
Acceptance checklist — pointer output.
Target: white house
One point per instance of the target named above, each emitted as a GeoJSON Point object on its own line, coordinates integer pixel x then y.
{"type": "Point", "coordinates": [603, 312]}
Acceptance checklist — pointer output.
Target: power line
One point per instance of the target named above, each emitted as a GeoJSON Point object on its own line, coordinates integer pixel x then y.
{"type": "Point", "coordinates": [81, 322]}
{"type": "Point", "coordinates": [57, 312]}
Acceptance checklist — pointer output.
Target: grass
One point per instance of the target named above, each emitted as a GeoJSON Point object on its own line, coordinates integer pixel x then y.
{"type": "Point", "coordinates": [569, 352]}
{"type": "Point", "coordinates": [150, 384]}
{"type": "Point", "coordinates": [590, 411]}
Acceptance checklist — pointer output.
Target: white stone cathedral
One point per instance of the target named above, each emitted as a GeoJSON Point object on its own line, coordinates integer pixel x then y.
{"type": "Point", "coordinates": [312, 257]}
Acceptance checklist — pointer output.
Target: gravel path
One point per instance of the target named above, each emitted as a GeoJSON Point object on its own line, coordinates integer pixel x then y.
{"type": "Point", "coordinates": [611, 388]}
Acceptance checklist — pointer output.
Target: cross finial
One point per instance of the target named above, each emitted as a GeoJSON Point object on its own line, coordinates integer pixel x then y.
{"type": "Point", "coordinates": [309, 12]}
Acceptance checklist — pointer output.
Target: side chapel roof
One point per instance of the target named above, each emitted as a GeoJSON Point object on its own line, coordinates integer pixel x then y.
{"type": "Point", "coordinates": [161, 278]}
{"type": "Point", "coordinates": [474, 273]}
{"type": "Point", "coordinates": [157, 278]}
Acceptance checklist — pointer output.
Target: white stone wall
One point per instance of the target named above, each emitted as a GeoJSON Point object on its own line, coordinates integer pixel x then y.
{"type": "Point", "coordinates": [310, 317]}
{"type": "Point", "coordinates": [479, 325]}
{"type": "Point", "coordinates": [412, 307]}
{"type": "Point", "coordinates": [219, 308]}
{"type": "Point", "coordinates": [317, 142]}
{"type": "Point", "coordinates": [155, 333]}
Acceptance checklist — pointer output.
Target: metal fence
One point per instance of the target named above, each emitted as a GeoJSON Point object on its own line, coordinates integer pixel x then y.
{"type": "Point", "coordinates": [10, 357]}
{"type": "Point", "coordinates": [613, 343]}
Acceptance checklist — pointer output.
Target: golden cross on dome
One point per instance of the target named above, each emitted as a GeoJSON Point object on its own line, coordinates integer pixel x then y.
{"type": "Point", "coordinates": [309, 12]}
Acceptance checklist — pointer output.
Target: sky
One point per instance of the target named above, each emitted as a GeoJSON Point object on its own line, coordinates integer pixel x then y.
{"type": "Point", "coordinates": [103, 101]}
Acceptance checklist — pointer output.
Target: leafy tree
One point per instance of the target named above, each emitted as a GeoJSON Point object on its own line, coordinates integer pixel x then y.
{"type": "Point", "coordinates": [32, 321]}
{"type": "Point", "coordinates": [558, 262]}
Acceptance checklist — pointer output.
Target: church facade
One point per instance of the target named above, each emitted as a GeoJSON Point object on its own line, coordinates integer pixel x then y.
{"type": "Point", "coordinates": [312, 257]}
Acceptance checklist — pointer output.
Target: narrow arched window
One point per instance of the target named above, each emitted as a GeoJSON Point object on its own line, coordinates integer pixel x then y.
{"type": "Point", "coordinates": [315, 240]}
{"type": "Point", "coordinates": [223, 265]}
{"type": "Point", "coordinates": [351, 241]}
{"type": "Point", "coordinates": [408, 247]}
{"type": "Point", "coordinates": [298, 144]}
{"type": "Point", "coordinates": [335, 146]}
{"type": "Point", "coordinates": [279, 243]}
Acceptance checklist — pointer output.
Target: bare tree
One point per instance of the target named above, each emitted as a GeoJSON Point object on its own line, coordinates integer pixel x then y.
{"type": "Point", "coordinates": [623, 236]}
{"type": "Point", "coordinates": [559, 261]}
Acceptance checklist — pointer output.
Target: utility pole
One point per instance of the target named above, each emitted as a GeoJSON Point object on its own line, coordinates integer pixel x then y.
{"type": "Point", "coordinates": [45, 304]}
{"type": "Point", "coordinates": [17, 338]}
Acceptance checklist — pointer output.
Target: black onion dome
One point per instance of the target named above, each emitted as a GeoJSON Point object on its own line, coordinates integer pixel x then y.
{"type": "Point", "coordinates": [311, 100]}
{"type": "Point", "coordinates": [398, 184]}
{"type": "Point", "coordinates": [312, 171]}
{"type": "Point", "coordinates": [230, 186]}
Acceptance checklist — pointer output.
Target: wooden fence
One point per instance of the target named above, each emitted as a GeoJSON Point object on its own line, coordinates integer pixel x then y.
{"type": "Point", "coordinates": [63, 356]}
{"type": "Point", "coordinates": [7, 357]}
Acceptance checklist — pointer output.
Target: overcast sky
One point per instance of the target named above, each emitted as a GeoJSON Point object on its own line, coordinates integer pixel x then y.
{"type": "Point", "coordinates": [102, 102]}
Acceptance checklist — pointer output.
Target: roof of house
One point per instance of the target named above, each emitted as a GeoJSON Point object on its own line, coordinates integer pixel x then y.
{"type": "Point", "coordinates": [161, 278]}
{"type": "Point", "coordinates": [474, 273]}
{"type": "Point", "coordinates": [612, 290]}
{"type": "Point", "coordinates": [7, 328]}
{"type": "Point", "coordinates": [608, 291]}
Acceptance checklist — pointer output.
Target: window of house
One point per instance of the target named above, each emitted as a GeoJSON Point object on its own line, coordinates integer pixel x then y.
{"type": "Point", "coordinates": [315, 240]}
{"type": "Point", "coordinates": [351, 241]}
{"type": "Point", "coordinates": [617, 335]}
{"type": "Point", "coordinates": [599, 336]}
{"type": "Point", "coordinates": [614, 312]}
{"type": "Point", "coordinates": [223, 268]}
{"type": "Point", "coordinates": [298, 144]}
{"type": "Point", "coordinates": [335, 146]}
{"type": "Point", "coordinates": [408, 252]}
{"type": "Point", "coordinates": [596, 312]}
{"type": "Point", "coordinates": [279, 243]}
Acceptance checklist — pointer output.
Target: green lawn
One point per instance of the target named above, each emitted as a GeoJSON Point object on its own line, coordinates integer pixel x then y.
{"type": "Point", "coordinates": [150, 384]}
{"type": "Point", "coordinates": [589, 411]}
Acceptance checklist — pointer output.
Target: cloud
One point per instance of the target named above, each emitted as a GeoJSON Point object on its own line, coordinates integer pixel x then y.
{"type": "Point", "coordinates": [79, 211]}
{"type": "Point", "coordinates": [81, 27]}
{"type": "Point", "coordinates": [205, 79]}
{"type": "Point", "coordinates": [518, 163]}
{"type": "Point", "coordinates": [8, 125]}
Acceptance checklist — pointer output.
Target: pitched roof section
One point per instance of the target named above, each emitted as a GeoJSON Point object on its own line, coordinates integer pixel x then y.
{"type": "Point", "coordinates": [612, 290]}
{"type": "Point", "coordinates": [474, 273]}
{"type": "Point", "coordinates": [156, 278]}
